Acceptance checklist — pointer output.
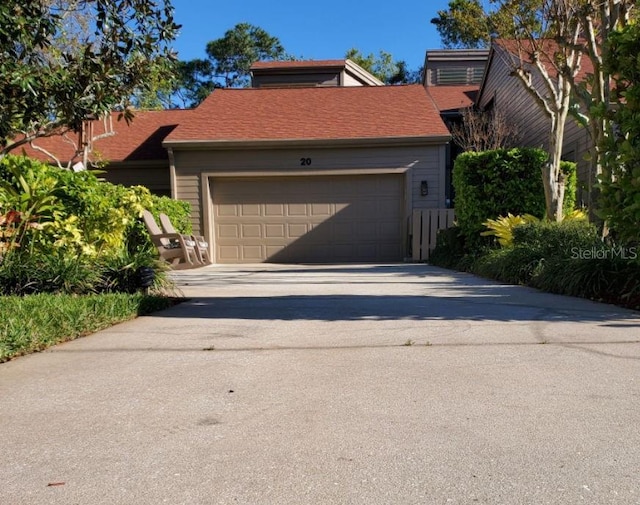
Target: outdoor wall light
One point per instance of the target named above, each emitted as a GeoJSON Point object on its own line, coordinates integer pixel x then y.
{"type": "Point", "coordinates": [424, 188]}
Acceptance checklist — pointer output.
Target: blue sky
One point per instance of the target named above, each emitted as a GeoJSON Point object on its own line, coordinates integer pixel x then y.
{"type": "Point", "coordinates": [316, 29]}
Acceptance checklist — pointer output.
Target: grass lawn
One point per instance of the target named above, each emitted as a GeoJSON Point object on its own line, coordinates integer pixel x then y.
{"type": "Point", "coordinates": [33, 323]}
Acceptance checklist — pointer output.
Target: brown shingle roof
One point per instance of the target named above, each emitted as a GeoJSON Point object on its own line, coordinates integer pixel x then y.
{"type": "Point", "coordinates": [548, 47]}
{"type": "Point", "coordinates": [324, 113]}
{"type": "Point", "coordinates": [453, 98]}
{"type": "Point", "coordinates": [141, 140]}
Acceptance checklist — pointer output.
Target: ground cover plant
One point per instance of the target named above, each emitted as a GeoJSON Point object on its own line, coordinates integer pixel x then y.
{"type": "Point", "coordinates": [33, 323]}
{"type": "Point", "coordinates": [568, 258]}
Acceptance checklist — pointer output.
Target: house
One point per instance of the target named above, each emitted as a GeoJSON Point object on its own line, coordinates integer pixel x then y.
{"type": "Point", "coordinates": [319, 162]}
{"type": "Point", "coordinates": [310, 174]}
{"type": "Point", "coordinates": [501, 89]}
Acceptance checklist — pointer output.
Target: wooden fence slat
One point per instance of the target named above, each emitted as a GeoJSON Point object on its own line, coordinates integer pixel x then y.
{"type": "Point", "coordinates": [425, 226]}
{"type": "Point", "coordinates": [416, 239]}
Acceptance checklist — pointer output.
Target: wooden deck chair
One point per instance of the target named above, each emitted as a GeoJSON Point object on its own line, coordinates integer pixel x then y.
{"type": "Point", "coordinates": [177, 249]}
{"type": "Point", "coordinates": [202, 246]}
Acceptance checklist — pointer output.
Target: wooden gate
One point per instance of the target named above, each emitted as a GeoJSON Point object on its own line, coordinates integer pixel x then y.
{"type": "Point", "coordinates": [425, 225]}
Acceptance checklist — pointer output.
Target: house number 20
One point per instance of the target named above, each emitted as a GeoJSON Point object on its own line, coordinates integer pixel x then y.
{"type": "Point", "coordinates": [305, 162]}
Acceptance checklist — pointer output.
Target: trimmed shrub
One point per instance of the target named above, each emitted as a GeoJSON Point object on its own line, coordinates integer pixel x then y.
{"type": "Point", "coordinates": [556, 239]}
{"type": "Point", "coordinates": [498, 182]}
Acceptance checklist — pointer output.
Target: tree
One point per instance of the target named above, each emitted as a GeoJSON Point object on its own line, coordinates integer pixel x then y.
{"type": "Point", "coordinates": [483, 131]}
{"type": "Point", "coordinates": [548, 70]}
{"type": "Point", "coordinates": [384, 67]}
{"type": "Point", "coordinates": [598, 20]}
{"type": "Point", "coordinates": [619, 202]}
{"type": "Point", "coordinates": [553, 38]}
{"type": "Point", "coordinates": [228, 61]}
{"type": "Point", "coordinates": [56, 75]}
{"type": "Point", "coordinates": [464, 25]}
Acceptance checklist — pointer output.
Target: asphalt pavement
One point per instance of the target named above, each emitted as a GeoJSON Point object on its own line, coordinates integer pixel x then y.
{"type": "Point", "coordinates": [333, 384]}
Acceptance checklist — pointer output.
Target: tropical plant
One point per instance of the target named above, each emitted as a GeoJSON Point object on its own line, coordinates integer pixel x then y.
{"type": "Point", "coordinates": [502, 227]}
{"type": "Point", "coordinates": [63, 231]}
{"type": "Point", "coordinates": [619, 202]}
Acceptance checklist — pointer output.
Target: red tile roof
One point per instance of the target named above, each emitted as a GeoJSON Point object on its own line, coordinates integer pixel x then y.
{"type": "Point", "coordinates": [324, 113]}
{"type": "Point", "coordinates": [453, 98]}
{"type": "Point", "coordinates": [141, 140]}
{"type": "Point", "coordinates": [258, 65]}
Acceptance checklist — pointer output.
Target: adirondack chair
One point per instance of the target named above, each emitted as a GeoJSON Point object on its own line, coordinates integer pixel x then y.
{"type": "Point", "coordinates": [202, 246]}
{"type": "Point", "coordinates": [177, 249]}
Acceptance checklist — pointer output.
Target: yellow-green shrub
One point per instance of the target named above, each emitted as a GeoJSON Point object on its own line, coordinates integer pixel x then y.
{"type": "Point", "coordinates": [73, 218]}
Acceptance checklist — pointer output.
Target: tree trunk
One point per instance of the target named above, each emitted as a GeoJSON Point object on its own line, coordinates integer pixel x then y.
{"type": "Point", "coordinates": [552, 178]}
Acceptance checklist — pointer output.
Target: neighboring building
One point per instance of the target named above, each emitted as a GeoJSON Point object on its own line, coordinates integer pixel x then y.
{"type": "Point", "coordinates": [290, 74]}
{"type": "Point", "coordinates": [452, 78]}
{"type": "Point", "coordinates": [132, 153]}
{"type": "Point", "coordinates": [314, 174]}
{"type": "Point", "coordinates": [501, 89]}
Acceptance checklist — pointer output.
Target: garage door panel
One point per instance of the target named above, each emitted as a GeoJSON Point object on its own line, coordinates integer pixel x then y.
{"type": "Point", "coordinates": [297, 230]}
{"type": "Point", "coordinates": [251, 231]}
{"type": "Point", "coordinates": [321, 209]}
{"type": "Point", "coordinates": [228, 231]}
{"type": "Point", "coordinates": [249, 210]}
{"type": "Point", "coordinates": [308, 219]}
{"type": "Point", "coordinates": [297, 209]}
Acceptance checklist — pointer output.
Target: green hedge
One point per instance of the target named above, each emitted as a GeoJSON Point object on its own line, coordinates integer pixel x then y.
{"type": "Point", "coordinates": [570, 171]}
{"type": "Point", "coordinates": [494, 183]}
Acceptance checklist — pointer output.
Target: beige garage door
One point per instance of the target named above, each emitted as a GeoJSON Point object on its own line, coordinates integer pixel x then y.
{"type": "Point", "coordinates": [308, 219]}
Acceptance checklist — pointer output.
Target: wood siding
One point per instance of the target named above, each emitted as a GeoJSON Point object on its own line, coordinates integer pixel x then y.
{"type": "Point", "coordinates": [349, 80]}
{"type": "Point", "coordinates": [422, 163]}
{"type": "Point", "coordinates": [510, 96]}
{"type": "Point", "coordinates": [153, 176]}
{"type": "Point", "coordinates": [290, 79]}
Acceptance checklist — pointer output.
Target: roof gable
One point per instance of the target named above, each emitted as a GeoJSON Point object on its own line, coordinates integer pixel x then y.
{"type": "Point", "coordinates": [331, 113]}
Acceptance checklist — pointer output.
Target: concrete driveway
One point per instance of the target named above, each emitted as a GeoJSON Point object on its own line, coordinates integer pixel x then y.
{"type": "Point", "coordinates": [386, 384]}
